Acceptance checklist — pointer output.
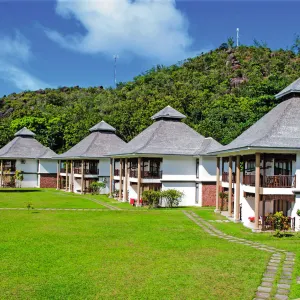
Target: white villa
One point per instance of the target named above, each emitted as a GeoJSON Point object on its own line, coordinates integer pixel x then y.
{"type": "Point", "coordinates": [167, 155]}
{"type": "Point", "coordinates": [24, 153]}
{"type": "Point", "coordinates": [260, 169]}
{"type": "Point", "coordinates": [87, 161]}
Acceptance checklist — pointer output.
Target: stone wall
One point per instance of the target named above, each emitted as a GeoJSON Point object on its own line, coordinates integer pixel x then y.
{"type": "Point", "coordinates": [208, 194]}
{"type": "Point", "coordinates": [47, 180]}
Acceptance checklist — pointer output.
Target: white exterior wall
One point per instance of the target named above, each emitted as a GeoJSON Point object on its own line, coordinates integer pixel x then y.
{"type": "Point", "coordinates": [179, 168]}
{"type": "Point", "coordinates": [132, 191]}
{"type": "Point", "coordinates": [188, 188]}
{"type": "Point", "coordinates": [30, 166]}
{"type": "Point", "coordinates": [48, 166]}
{"type": "Point", "coordinates": [207, 168]}
{"type": "Point", "coordinates": [297, 191]}
{"type": "Point", "coordinates": [104, 167]}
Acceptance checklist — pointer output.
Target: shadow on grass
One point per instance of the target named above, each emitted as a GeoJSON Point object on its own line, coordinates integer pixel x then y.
{"type": "Point", "coordinates": [18, 191]}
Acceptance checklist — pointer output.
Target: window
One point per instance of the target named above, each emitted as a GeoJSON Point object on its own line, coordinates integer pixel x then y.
{"type": "Point", "coordinates": [197, 193]}
{"type": "Point", "coordinates": [197, 168]}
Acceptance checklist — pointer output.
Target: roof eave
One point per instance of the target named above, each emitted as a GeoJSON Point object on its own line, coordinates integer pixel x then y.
{"type": "Point", "coordinates": [253, 148]}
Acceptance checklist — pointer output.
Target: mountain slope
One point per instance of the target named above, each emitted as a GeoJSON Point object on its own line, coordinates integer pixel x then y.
{"type": "Point", "coordinates": [222, 93]}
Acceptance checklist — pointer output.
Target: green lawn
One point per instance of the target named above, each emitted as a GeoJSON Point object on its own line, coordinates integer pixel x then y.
{"type": "Point", "coordinates": [291, 243]}
{"type": "Point", "coordinates": [44, 198]}
{"type": "Point", "coordinates": [141, 254]}
{"type": "Point", "coordinates": [122, 255]}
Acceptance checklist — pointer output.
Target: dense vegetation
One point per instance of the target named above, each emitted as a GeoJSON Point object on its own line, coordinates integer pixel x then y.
{"type": "Point", "coordinates": [222, 93]}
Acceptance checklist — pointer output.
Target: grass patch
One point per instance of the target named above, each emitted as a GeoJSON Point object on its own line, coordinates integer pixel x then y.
{"type": "Point", "coordinates": [121, 255]}
{"type": "Point", "coordinates": [44, 198]}
{"type": "Point", "coordinates": [290, 243]}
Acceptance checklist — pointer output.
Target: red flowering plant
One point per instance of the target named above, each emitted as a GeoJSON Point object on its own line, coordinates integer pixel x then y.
{"type": "Point", "coordinates": [251, 219]}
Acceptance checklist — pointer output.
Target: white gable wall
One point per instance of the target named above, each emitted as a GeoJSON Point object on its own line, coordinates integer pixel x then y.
{"type": "Point", "coordinates": [48, 166]}
{"type": "Point", "coordinates": [104, 167]}
{"type": "Point", "coordinates": [207, 168]}
{"type": "Point", "coordinates": [178, 168]}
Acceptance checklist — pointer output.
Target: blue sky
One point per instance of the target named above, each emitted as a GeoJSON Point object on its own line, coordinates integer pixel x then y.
{"type": "Point", "coordinates": [61, 43]}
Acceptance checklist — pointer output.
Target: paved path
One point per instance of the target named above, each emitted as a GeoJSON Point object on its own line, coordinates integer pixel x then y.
{"type": "Point", "coordinates": [280, 265]}
{"type": "Point", "coordinates": [104, 204]}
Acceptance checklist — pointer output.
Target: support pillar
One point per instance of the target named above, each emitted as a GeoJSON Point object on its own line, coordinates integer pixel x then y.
{"type": "Point", "coordinates": [82, 177]}
{"type": "Point", "coordinates": [1, 182]}
{"type": "Point", "coordinates": [126, 181]}
{"type": "Point", "coordinates": [67, 175]}
{"type": "Point", "coordinates": [237, 188]}
{"type": "Point", "coordinates": [139, 181]}
{"type": "Point", "coordinates": [57, 175]}
{"type": "Point", "coordinates": [71, 183]}
{"type": "Point", "coordinates": [230, 187]}
{"type": "Point", "coordinates": [257, 189]}
{"type": "Point", "coordinates": [121, 181]}
{"type": "Point", "coordinates": [218, 184]}
{"type": "Point", "coordinates": [111, 178]}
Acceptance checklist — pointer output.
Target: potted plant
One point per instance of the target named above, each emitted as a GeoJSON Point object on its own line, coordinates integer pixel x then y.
{"type": "Point", "coordinates": [252, 219]}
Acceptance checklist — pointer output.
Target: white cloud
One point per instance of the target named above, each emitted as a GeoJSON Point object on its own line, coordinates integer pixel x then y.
{"type": "Point", "coordinates": [15, 48]}
{"type": "Point", "coordinates": [14, 51]}
{"type": "Point", "coordinates": [149, 28]}
{"type": "Point", "coordinates": [19, 77]}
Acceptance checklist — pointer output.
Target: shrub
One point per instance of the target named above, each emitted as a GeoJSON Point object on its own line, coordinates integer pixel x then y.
{"type": "Point", "coordinates": [19, 177]}
{"type": "Point", "coordinates": [152, 197]}
{"type": "Point", "coordinates": [96, 187]}
{"type": "Point", "coordinates": [224, 197]}
{"type": "Point", "coordinates": [298, 212]}
{"type": "Point", "coordinates": [172, 197]}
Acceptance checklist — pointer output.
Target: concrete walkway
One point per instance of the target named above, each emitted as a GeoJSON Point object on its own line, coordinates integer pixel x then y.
{"type": "Point", "coordinates": [104, 204]}
{"type": "Point", "coordinates": [280, 265]}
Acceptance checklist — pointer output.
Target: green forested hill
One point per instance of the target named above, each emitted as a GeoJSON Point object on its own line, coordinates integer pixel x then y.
{"type": "Point", "coordinates": [222, 93]}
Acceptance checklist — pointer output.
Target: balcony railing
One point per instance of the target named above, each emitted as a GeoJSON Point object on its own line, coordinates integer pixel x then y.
{"type": "Point", "coordinates": [146, 174]}
{"type": "Point", "coordinates": [92, 171]}
{"type": "Point", "coordinates": [117, 172]}
{"type": "Point", "coordinates": [280, 181]}
{"type": "Point", "coordinates": [276, 181]}
{"type": "Point", "coordinates": [11, 168]}
{"type": "Point", "coordinates": [225, 177]}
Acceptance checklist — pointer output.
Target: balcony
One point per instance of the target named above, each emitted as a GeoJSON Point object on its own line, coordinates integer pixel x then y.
{"type": "Point", "coordinates": [9, 168]}
{"type": "Point", "coordinates": [146, 174]}
{"type": "Point", "coordinates": [275, 181]}
{"type": "Point", "coordinates": [225, 177]}
{"type": "Point", "coordinates": [87, 171]}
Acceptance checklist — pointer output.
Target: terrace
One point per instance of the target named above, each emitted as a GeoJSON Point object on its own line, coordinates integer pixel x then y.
{"type": "Point", "coordinates": [276, 171]}
{"type": "Point", "coordinates": [150, 168]}
{"type": "Point", "coordinates": [90, 167]}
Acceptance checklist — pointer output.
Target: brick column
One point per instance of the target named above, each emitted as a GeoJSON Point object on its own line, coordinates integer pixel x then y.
{"type": "Point", "coordinates": [217, 184]}
{"type": "Point", "coordinates": [58, 175]}
{"type": "Point", "coordinates": [120, 185]}
{"type": "Point", "coordinates": [139, 179]}
{"type": "Point", "coordinates": [237, 188]}
{"type": "Point", "coordinates": [257, 188]}
{"type": "Point", "coordinates": [126, 181]}
{"type": "Point", "coordinates": [230, 187]}
{"type": "Point", "coordinates": [111, 178]}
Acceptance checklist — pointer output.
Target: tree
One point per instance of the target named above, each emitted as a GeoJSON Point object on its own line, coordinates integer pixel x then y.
{"type": "Point", "coordinates": [172, 197]}
{"type": "Point", "coordinates": [230, 42]}
{"type": "Point", "coordinates": [19, 177]}
{"type": "Point", "coordinates": [296, 44]}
